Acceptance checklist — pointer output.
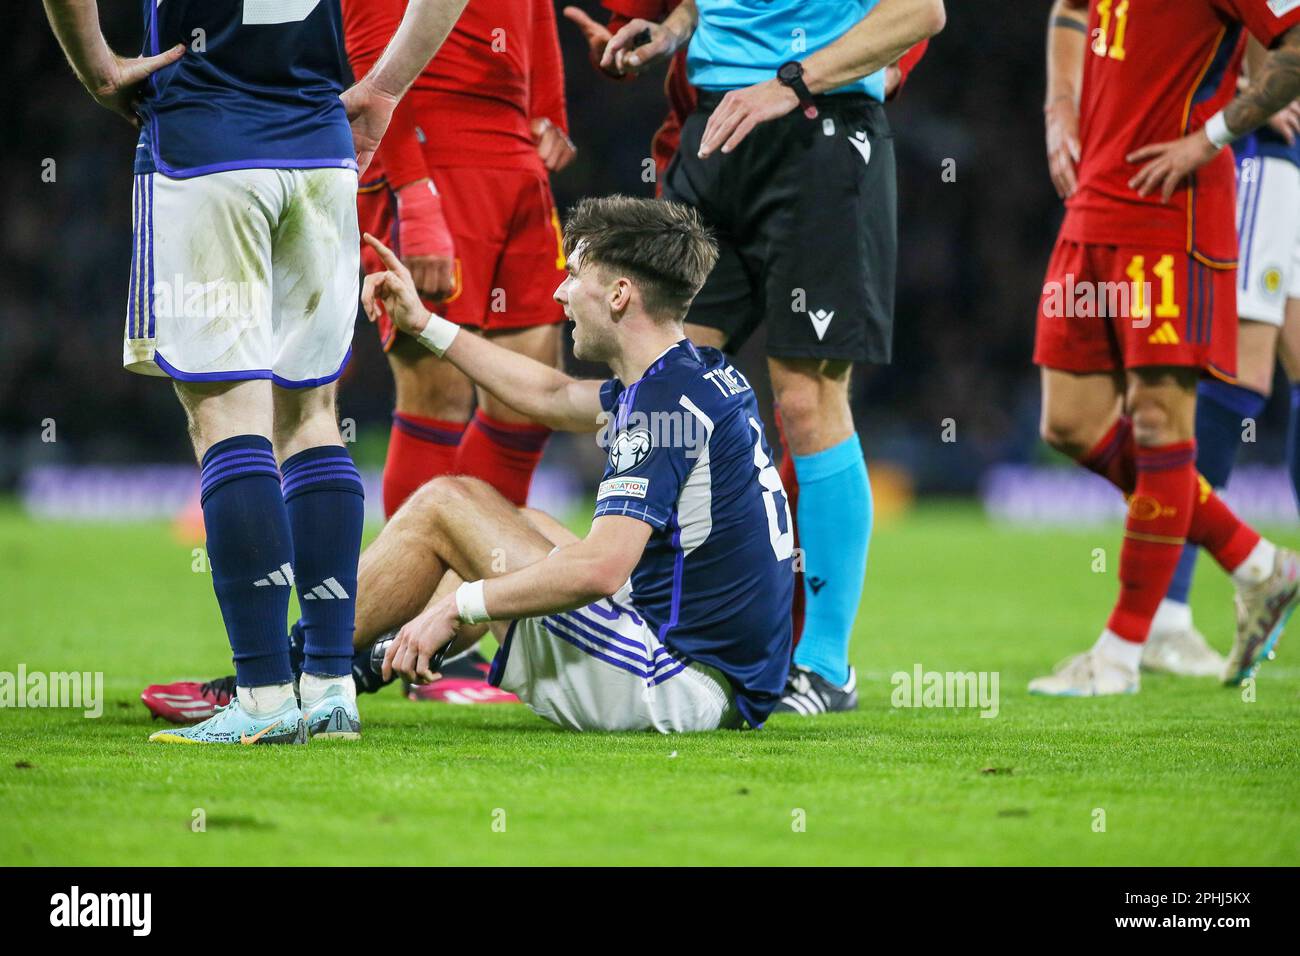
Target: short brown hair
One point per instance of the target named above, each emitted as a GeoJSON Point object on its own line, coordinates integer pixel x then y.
{"type": "Point", "coordinates": [662, 246]}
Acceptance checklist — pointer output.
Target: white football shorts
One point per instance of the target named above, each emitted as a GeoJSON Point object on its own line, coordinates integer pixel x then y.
{"type": "Point", "coordinates": [1268, 229]}
{"type": "Point", "coordinates": [602, 668]}
{"type": "Point", "coordinates": [243, 274]}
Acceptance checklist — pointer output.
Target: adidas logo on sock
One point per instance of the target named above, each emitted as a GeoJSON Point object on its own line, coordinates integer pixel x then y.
{"type": "Point", "coordinates": [281, 577]}
{"type": "Point", "coordinates": [327, 590]}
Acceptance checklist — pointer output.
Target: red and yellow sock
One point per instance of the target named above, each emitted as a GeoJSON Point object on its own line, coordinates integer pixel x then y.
{"type": "Point", "coordinates": [1159, 515]}
{"type": "Point", "coordinates": [419, 449]}
{"type": "Point", "coordinates": [504, 454]}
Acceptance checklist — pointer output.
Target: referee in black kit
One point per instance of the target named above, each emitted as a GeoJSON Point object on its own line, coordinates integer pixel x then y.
{"type": "Point", "coordinates": [790, 160]}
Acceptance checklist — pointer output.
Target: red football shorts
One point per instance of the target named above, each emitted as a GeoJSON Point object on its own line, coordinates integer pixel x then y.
{"type": "Point", "coordinates": [509, 251]}
{"type": "Point", "coordinates": [1105, 308]}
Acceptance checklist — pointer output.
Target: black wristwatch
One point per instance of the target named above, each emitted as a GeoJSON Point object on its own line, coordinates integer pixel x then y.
{"type": "Point", "coordinates": [790, 75]}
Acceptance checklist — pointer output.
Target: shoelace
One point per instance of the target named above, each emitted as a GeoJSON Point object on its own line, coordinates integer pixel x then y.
{"type": "Point", "coordinates": [222, 685]}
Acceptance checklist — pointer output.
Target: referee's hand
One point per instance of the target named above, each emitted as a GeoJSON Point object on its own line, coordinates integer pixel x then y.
{"type": "Point", "coordinates": [741, 110]}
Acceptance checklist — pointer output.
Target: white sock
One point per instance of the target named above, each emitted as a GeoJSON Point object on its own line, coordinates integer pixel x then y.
{"type": "Point", "coordinates": [1116, 650]}
{"type": "Point", "coordinates": [1258, 565]}
{"type": "Point", "coordinates": [1172, 616]}
{"type": "Point", "coordinates": [313, 687]}
{"type": "Point", "coordinates": [265, 701]}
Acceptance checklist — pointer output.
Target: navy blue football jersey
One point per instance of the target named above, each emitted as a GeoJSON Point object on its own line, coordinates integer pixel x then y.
{"type": "Point", "coordinates": [258, 87]}
{"type": "Point", "coordinates": [687, 455]}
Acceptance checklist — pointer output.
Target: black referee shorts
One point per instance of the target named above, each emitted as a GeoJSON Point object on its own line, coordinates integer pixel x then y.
{"type": "Point", "coordinates": [805, 213]}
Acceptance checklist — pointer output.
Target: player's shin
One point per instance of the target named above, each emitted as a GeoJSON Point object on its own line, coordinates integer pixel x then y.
{"type": "Point", "coordinates": [251, 552]}
{"type": "Point", "coordinates": [1159, 515]}
{"type": "Point", "coordinates": [325, 503]}
{"type": "Point", "coordinates": [835, 512]}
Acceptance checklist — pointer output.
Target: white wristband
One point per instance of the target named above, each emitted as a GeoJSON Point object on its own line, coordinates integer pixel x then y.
{"type": "Point", "coordinates": [438, 334]}
{"type": "Point", "coordinates": [1217, 132]}
{"type": "Point", "coordinates": [469, 603]}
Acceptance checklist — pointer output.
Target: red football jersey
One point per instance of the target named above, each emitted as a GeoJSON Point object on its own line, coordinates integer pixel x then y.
{"type": "Point", "coordinates": [1156, 70]}
{"type": "Point", "coordinates": [499, 68]}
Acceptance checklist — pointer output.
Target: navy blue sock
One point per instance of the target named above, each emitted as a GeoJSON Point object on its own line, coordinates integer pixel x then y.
{"type": "Point", "coordinates": [1220, 411]}
{"type": "Point", "coordinates": [326, 505]}
{"type": "Point", "coordinates": [1293, 441]}
{"type": "Point", "coordinates": [251, 553]}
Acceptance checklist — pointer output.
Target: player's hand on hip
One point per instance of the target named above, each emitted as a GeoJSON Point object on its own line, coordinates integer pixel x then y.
{"type": "Point", "coordinates": [1286, 122]}
{"type": "Point", "coordinates": [368, 113]}
{"type": "Point", "coordinates": [1168, 164]}
{"type": "Point", "coordinates": [553, 145]}
{"type": "Point", "coordinates": [741, 110]}
{"type": "Point", "coordinates": [427, 247]}
{"type": "Point", "coordinates": [395, 288]}
{"type": "Point", "coordinates": [1062, 118]}
{"type": "Point", "coordinates": [419, 640]}
{"type": "Point", "coordinates": [637, 45]}
{"type": "Point", "coordinates": [120, 90]}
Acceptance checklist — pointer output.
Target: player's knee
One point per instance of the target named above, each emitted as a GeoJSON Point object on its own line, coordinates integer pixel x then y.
{"type": "Point", "coordinates": [444, 494]}
{"type": "Point", "coordinates": [808, 402]}
{"type": "Point", "coordinates": [1068, 434]}
{"type": "Point", "coordinates": [1153, 421]}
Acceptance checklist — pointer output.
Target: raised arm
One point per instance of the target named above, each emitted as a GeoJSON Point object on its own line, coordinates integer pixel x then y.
{"type": "Point", "coordinates": [1067, 45]}
{"type": "Point", "coordinates": [544, 394]}
{"type": "Point", "coordinates": [114, 81]}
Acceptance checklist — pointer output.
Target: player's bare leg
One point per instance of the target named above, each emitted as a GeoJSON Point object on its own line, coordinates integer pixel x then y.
{"type": "Point", "coordinates": [1162, 406]}
{"type": "Point", "coordinates": [325, 502]}
{"type": "Point", "coordinates": [1078, 409]}
{"type": "Point", "coordinates": [1148, 457]}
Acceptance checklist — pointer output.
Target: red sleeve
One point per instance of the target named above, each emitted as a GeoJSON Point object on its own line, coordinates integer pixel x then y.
{"type": "Point", "coordinates": [368, 25]}
{"type": "Point", "coordinates": [546, 74]}
{"type": "Point", "coordinates": [907, 62]}
{"type": "Point", "coordinates": [1266, 19]}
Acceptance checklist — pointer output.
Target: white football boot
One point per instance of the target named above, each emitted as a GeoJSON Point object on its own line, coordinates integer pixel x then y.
{"type": "Point", "coordinates": [1262, 612]}
{"type": "Point", "coordinates": [1181, 651]}
{"type": "Point", "coordinates": [1096, 672]}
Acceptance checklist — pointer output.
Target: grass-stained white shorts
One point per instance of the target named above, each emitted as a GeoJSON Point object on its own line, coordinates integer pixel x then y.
{"type": "Point", "coordinates": [244, 274]}
{"type": "Point", "coordinates": [1268, 224]}
{"type": "Point", "coordinates": [602, 668]}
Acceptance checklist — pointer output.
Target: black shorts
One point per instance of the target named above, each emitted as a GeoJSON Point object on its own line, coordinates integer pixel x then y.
{"type": "Point", "coordinates": [805, 213]}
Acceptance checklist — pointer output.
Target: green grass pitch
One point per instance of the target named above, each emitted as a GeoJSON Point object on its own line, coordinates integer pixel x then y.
{"type": "Point", "coordinates": [1185, 772]}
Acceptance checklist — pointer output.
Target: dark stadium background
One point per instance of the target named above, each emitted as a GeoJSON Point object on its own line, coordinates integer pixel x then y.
{"type": "Point", "coordinates": [971, 255]}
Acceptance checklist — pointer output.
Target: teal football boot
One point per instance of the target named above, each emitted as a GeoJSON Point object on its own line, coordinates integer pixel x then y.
{"type": "Point", "coordinates": [234, 725]}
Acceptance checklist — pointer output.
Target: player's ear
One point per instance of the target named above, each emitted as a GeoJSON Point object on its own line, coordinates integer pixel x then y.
{"type": "Point", "coordinates": [620, 295]}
